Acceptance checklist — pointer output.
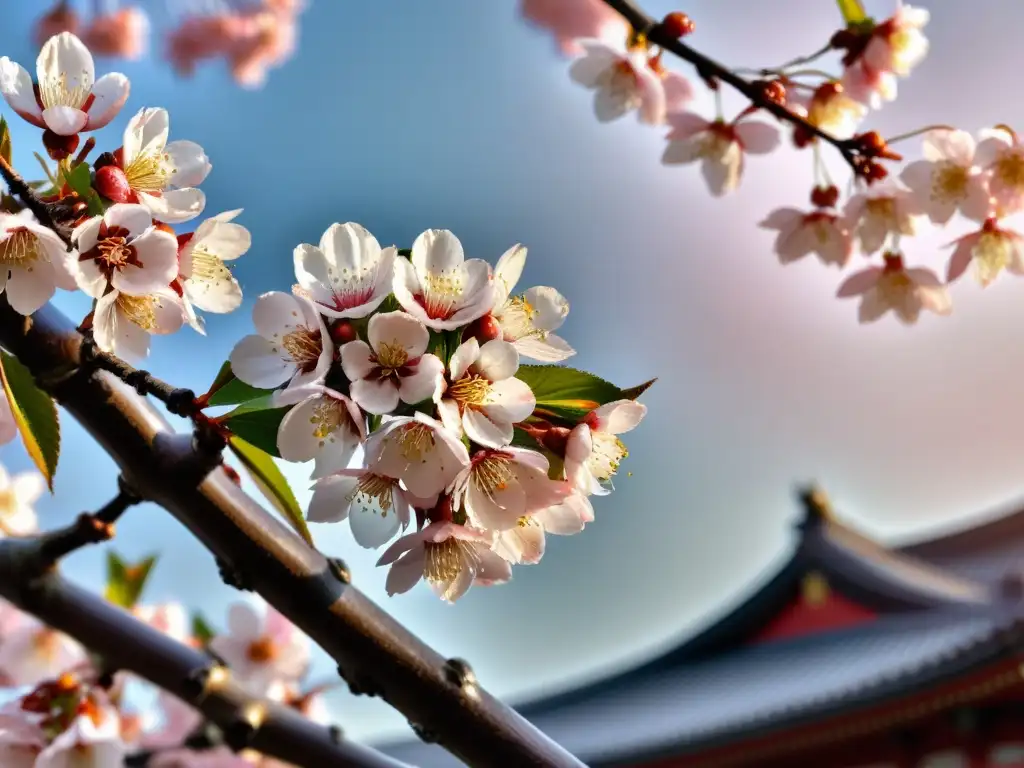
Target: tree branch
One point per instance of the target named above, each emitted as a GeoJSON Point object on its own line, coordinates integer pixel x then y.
{"type": "Point", "coordinates": [710, 69]}
{"type": "Point", "coordinates": [55, 216]}
{"type": "Point", "coordinates": [27, 581]}
{"type": "Point", "coordinates": [375, 654]}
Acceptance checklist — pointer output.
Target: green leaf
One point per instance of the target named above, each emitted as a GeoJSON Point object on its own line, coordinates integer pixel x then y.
{"type": "Point", "coordinates": [257, 423]}
{"type": "Point", "coordinates": [35, 414]}
{"type": "Point", "coordinates": [79, 179]}
{"type": "Point", "coordinates": [568, 394]}
{"type": "Point", "coordinates": [632, 393]}
{"type": "Point", "coordinates": [5, 141]}
{"type": "Point", "coordinates": [852, 10]}
{"type": "Point", "coordinates": [201, 629]}
{"type": "Point", "coordinates": [271, 482]}
{"type": "Point", "coordinates": [125, 582]}
{"type": "Point", "coordinates": [229, 390]}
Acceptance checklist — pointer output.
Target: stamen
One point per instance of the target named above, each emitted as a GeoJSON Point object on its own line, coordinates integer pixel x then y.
{"type": "Point", "coordinates": [374, 490]}
{"type": "Point", "coordinates": [416, 441]}
{"type": "Point", "coordinates": [303, 347]}
{"type": "Point", "coordinates": [20, 248]}
{"type": "Point", "coordinates": [471, 390]}
{"type": "Point", "coordinates": [141, 310]}
{"type": "Point", "coordinates": [149, 172]}
{"type": "Point", "coordinates": [442, 295]}
{"type": "Point", "coordinates": [493, 473]}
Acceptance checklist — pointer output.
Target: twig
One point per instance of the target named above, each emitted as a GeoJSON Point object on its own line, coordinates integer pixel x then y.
{"type": "Point", "coordinates": [42, 210]}
{"type": "Point", "coordinates": [189, 674]}
{"type": "Point", "coordinates": [87, 529]}
{"type": "Point", "coordinates": [375, 654]}
{"type": "Point", "coordinates": [711, 70]}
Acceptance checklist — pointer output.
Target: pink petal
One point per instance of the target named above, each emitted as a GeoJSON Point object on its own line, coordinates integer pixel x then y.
{"type": "Point", "coordinates": [859, 283]}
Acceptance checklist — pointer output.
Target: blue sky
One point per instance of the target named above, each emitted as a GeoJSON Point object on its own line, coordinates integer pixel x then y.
{"type": "Point", "coordinates": [407, 115]}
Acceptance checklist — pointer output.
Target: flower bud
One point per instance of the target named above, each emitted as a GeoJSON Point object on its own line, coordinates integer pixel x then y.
{"type": "Point", "coordinates": [677, 24]}
{"type": "Point", "coordinates": [59, 147]}
{"type": "Point", "coordinates": [342, 332]}
{"type": "Point", "coordinates": [111, 182]}
{"type": "Point", "coordinates": [824, 197]}
{"type": "Point", "coordinates": [485, 329]}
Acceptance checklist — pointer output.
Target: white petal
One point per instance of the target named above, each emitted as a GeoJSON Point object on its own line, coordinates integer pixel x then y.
{"type": "Point", "coordinates": [331, 499]}
{"type": "Point", "coordinates": [191, 165]}
{"type": "Point", "coordinates": [498, 360]}
{"type": "Point", "coordinates": [255, 361]}
{"type": "Point", "coordinates": [398, 329]}
{"type": "Point", "coordinates": [27, 290]}
{"type": "Point", "coordinates": [17, 89]}
{"type": "Point", "coordinates": [277, 313]}
{"type": "Point", "coordinates": [110, 93]}
{"type": "Point", "coordinates": [509, 401]}
{"type": "Point", "coordinates": [464, 356]}
{"type": "Point", "coordinates": [550, 349]}
{"type": "Point", "coordinates": [620, 416]}
{"type": "Point", "coordinates": [498, 510]}
{"type": "Point", "coordinates": [590, 68]}
{"type": "Point", "coordinates": [158, 254]}
{"type": "Point", "coordinates": [65, 63]}
{"type": "Point", "coordinates": [356, 359]}
{"type": "Point", "coordinates": [134, 218]}
{"type": "Point", "coordinates": [405, 573]}
{"type": "Point", "coordinates": [378, 396]}
{"type": "Point", "coordinates": [312, 428]}
{"type": "Point", "coordinates": [550, 307]}
{"type": "Point", "coordinates": [372, 526]}
{"type": "Point", "coordinates": [146, 132]}
{"type": "Point", "coordinates": [507, 272]}
{"type": "Point", "coordinates": [244, 622]}
{"type": "Point", "coordinates": [437, 252]}
{"type": "Point", "coordinates": [424, 382]}
{"type": "Point", "coordinates": [65, 121]}
{"type": "Point", "coordinates": [175, 205]}
{"type": "Point", "coordinates": [489, 432]}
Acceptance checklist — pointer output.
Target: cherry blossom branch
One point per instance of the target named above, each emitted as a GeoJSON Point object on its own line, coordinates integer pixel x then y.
{"type": "Point", "coordinates": [28, 581]}
{"type": "Point", "coordinates": [375, 654]}
{"type": "Point", "coordinates": [87, 528]}
{"type": "Point", "coordinates": [711, 71]}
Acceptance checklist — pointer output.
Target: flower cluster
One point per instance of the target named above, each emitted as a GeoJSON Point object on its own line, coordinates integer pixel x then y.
{"type": "Point", "coordinates": [65, 710]}
{"type": "Point", "coordinates": [251, 40]}
{"type": "Point", "coordinates": [979, 178]}
{"type": "Point", "coordinates": [145, 278]}
{"type": "Point", "coordinates": [414, 357]}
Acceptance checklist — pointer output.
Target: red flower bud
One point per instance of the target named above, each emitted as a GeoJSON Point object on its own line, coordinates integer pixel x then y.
{"type": "Point", "coordinates": [677, 24]}
{"type": "Point", "coordinates": [485, 329]}
{"type": "Point", "coordinates": [824, 197]}
{"type": "Point", "coordinates": [59, 147]}
{"type": "Point", "coordinates": [342, 332]}
{"type": "Point", "coordinates": [111, 182]}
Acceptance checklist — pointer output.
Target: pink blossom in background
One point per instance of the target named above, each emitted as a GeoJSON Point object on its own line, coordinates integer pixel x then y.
{"type": "Point", "coordinates": [122, 34]}
{"type": "Point", "coordinates": [61, 19]}
{"type": "Point", "coordinates": [571, 20]}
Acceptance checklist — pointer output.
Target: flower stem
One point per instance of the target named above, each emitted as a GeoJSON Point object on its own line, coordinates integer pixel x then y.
{"type": "Point", "coordinates": [918, 132]}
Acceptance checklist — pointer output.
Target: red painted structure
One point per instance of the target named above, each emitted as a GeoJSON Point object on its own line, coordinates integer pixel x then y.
{"type": "Point", "coordinates": [851, 655]}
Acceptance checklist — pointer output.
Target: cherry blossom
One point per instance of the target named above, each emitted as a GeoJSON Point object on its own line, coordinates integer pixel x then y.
{"type": "Point", "coordinates": [123, 323]}
{"type": "Point", "coordinates": [483, 399]}
{"type": "Point", "coordinates": [947, 180]}
{"type": "Point", "coordinates": [33, 652]}
{"type": "Point", "coordinates": [204, 280]}
{"type": "Point", "coordinates": [439, 286]}
{"type": "Point", "coordinates": [898, 44]}
{"type": "Point", "coordinates": [162, 175]}
{"type": "Point", "coordinates": [417, 450]}
{"type": "Point", "coordinates": [499, 488]}
{"type": "Point", "coordinates": [882, 211]}
{"type": "Point", "coordinates": [871, 87]}
{"type": "Point", "coordinates": [349, 274]}
{"type": "Point", "coordinates": [33, 262]}
{"type": "Point", "coordinates": [572, 20]}
{"type": "Point", "coordinates": [291, 344]}
{"type": "Point", "coordinates": [719, 146]}
{"type": "Point", "coordinates": [833, 110]}
{"type": "Point", "coordinates": [1000, 156]}
{"type": "Point", "coordinates": [376, 505]}
{"type": "Point", "coordinates": [895, 288]}
{"type": "Point", "coordinates": [60, 18]}
{"type": "Point", "coordinates": [265, 39]}
{"type": "Point", "coordinates": [66, 98]}
{"type": "Point", "coordinates": [820, 232]}
{"type": "Point", "coordinates": [18, 494]}
{"type": "Point", "coordinates": [594, 451]}
{"type": "Point", "coordinates": [122, 249]}
{"type": "Point", "coordinates": [169, 618]}
{"type": "Point", "coordinates": [524, 543]}
{"type": "Point", "coordinates": [529, 320]}
{"type": "Point", "coordinates": [123, 33]}
{"type": "Point", "coordinates": [991, 249]}
{"type": "Point", "coordinates": [623, 81]}
{"type": "Point", "coordinates": [325, 426]}
{"type": "Point", "coordinates": [450, 557]}
{"type": "Point", "coordinates": [261, 647]}
{"type": "Point", "coordinates": [394, 366]}
{"type": "Point", "coordinates": [93, 739]}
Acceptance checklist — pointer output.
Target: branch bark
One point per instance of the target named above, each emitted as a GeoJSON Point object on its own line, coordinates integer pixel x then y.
{"type": "Point", "coordinates": [134, 646]}
{"type": "Point", "coordinates": [708, 68]}
{"type": "Point", "coordinates": [375, 654]}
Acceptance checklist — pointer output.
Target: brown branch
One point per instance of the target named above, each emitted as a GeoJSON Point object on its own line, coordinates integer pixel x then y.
{"type": "Point", "coordinates": [27, 581]}
{"type": "Point", "coordinates": [375, 654]}
{"type": "Point", "coordinates": [55, 216]}
{"type": "Point", "coordinates": [711, 70]}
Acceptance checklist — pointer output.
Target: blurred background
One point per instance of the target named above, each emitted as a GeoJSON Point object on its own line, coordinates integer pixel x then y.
{"type": "Point", "coordinates": [405, 115]}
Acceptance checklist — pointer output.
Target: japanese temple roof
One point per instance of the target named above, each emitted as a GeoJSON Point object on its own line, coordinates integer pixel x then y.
{"type": "Point", "coordinates": [752, 690]}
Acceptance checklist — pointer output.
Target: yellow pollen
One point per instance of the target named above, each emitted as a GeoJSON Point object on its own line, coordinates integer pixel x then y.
{"type": "Point", "coordinates": [149, 172]}
{"type": "Point", "coordinates": [607, 453]}
{"type": "Point", "coordinates": [374, 489]}
{"type": "Point", "coordinates": [894, 288]}
{"type": "Point", "coordinates": [991, 256]}
{"type": "Point", "coordinates": [391, 356]}
{"type": "Point", "coordinates": [262, 650]}
{"type": "Point", "coordinates": [54, 92]}
{"type": "Point", "coordinates": [949, 182]}
{"type": "Point", "coordinates": [141, 310]}
{"type": "Point", "coordinates": [442, 294]}
{"type": "Point", "coordinates": [471, 390]}
{"type": "Point", "coordinates": [208, 267]}
{"type": "Point", "coordinates": [20, 248]}
{"type": "Point", "coordinates": [883, 208]}
{"type": "Point", "coordinates": [1009, 170]}
{"type": "Point", "coordinates": [416, 441]}
{"type": "Point", "coordinates": [523, 522]}
{"type": "Point", "coordinates": [493, 474]}
{"type": "Point", "coordinates": [445, 560]}
{"type": "Point", "coordinates": [303, 347]}
{"type": "Point", "coordinates": [516, 319]}
{"type": "Point", "coordinates": [328, 415]}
